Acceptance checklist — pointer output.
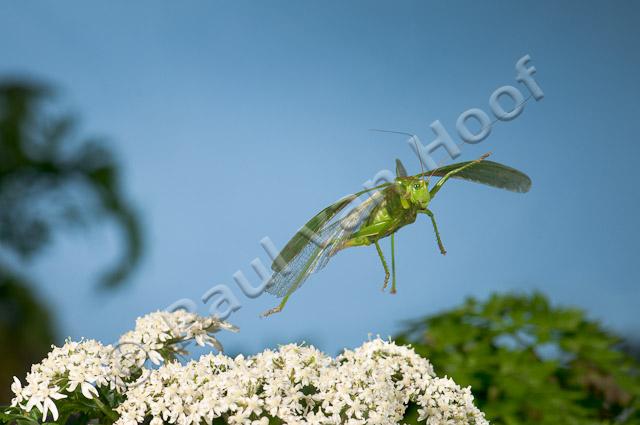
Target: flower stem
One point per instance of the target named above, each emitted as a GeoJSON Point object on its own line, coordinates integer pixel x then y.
{"type": "Point", "coordinates": [107, 411]}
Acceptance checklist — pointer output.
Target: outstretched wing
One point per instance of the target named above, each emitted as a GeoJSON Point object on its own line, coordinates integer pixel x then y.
{"type": "Point", "coordinates": [315, 246]}
{"type": "Point", "coordinates": [313, 226]}
{"type": "Point", "coordinates": [489, 173]}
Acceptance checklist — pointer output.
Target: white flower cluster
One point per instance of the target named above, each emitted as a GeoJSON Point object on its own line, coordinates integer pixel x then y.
{"type": "Point", "coordinates": [160, 336]}
{"type": "Point", "coordinates": [82, 365]}
{"type": "Point", "coordinates": [81, 369]}
{"type": "Point", "coordinates": [300, 385]}
{"type": "Point", "coordinates": [371, 385]}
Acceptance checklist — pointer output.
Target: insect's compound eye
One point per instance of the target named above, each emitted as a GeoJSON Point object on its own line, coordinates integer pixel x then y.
{"type": "Point", "coordinates": [416, 186]}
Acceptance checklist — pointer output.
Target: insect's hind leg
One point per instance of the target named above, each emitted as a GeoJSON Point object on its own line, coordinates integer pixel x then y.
{"type": "Point", "coordinates": [280, 306]}
{"type": "Point", "coordinates": [384, 265]}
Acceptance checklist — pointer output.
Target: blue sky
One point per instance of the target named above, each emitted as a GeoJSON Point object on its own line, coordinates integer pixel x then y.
{"type": "Point", "coordinates": [239, 120]}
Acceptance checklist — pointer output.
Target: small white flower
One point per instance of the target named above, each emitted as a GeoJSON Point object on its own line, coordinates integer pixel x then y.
{"type": "Point", "coordinates": [88, 390]}
{"type": "Point", "coordinates": [155, 357]}
{"type": "Point", "coordinates": [49, 405]}
{"type": "Point", "coordinates": [16, 388]}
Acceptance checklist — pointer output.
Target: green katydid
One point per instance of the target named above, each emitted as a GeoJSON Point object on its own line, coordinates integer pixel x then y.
{"type": "Point", "coordinates": [389, 207]}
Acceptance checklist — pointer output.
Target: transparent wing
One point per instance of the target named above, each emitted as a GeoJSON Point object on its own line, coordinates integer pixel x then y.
{"type": "Point", "coordinates": [320, 246]}
{"type": "Point", "coordinates": [299, 241]}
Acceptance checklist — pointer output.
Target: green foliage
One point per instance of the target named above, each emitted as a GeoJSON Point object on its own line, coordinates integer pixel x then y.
{"type": "Point", "coordinates": [25, 330]}
{"type": "Point", "coordinates": [530, 363]}
{"type": "Point", "coordinates": [76, 410]}
{"type": "Point", "coordinates": [49, 179]}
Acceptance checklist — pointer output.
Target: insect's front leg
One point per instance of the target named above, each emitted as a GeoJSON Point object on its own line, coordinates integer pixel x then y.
{"type": "Point", "coordinates": [451, 173]}
{"type": "Point", "coordinates": [435, 229]}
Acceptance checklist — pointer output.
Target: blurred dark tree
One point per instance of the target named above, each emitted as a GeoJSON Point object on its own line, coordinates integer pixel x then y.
{"type": "Point", "coordinates": [530, 363]}
{"type": "Point", "coordinates": [49, 179]}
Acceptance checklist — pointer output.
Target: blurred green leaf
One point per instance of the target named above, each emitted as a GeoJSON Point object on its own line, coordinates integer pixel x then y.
{"type": "Point", "coordinates": [50, 178]}
{"type": "Point", "coordinates": [531, 363]}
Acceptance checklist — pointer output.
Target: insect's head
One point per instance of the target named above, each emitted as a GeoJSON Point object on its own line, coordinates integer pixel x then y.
{"type": "Point", "coordinates": [415, 191]}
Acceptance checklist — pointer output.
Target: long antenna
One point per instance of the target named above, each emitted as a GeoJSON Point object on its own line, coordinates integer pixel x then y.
{"type": "Point", "coordinates": [415, 142]}
{"type": "Point", "coordinates": [431, 175]}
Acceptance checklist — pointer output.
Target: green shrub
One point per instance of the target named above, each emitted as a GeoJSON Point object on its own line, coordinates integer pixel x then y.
{"type": "Point", "coordinates": [530, 363]}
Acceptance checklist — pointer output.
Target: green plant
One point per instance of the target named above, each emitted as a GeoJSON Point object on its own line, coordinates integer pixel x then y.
{"type": "Point", "coordinates": [531, 363]}
{"type": "Point", "coordinates": [50, 179]}
{"type": "Point", "coordinates": [26, 331]}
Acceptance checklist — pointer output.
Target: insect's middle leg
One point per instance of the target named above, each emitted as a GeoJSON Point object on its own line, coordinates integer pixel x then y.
{"type": "Point", "coordinates": [384, 265]}
{"type": "Point", "coordinates": [393, 263]}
